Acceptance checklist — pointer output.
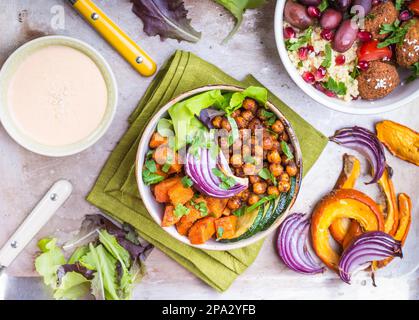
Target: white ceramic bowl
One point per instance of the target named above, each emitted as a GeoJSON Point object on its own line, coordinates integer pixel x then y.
{"type": "Point", "coordinates": [156, 209]}
{"type": "Point", "coordinates": [402, 95]}
{"type": "Point", "coordinates": [13, 63]}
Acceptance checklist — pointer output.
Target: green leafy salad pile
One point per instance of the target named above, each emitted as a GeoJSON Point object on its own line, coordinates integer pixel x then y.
{"type": "Point", "coordinates": [106, 261]}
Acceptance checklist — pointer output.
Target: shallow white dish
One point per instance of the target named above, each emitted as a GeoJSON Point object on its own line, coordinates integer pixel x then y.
{"type": "Point", "coordinates": [156, 209]}
{"type": "Point", "coordinates": [402, 95]}
{"type": "Point", "coordinates": [13, 63]}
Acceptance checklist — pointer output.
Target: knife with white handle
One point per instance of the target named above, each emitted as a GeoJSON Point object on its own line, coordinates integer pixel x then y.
{"type": "Point", "coordinates": [39, 216]}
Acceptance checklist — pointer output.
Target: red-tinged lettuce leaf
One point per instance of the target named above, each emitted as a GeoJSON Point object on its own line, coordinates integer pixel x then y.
{"type": "Point", "coordinates": [165, 18]}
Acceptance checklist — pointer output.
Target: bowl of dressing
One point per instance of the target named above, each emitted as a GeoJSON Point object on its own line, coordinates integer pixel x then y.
{"type": "Point", "coordinates": [58, 96]}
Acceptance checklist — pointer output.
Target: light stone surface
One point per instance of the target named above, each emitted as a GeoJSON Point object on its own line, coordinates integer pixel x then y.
{"type": "Point", "coordinates": [25, 176]}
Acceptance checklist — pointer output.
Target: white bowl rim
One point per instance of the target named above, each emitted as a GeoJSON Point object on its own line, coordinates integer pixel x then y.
{"type": "Point", "coordinates": [212, 246]}
{"type": "Point", "coordinates": [313, 93]}
{"type": "Point", "coordinates": [86, 142]}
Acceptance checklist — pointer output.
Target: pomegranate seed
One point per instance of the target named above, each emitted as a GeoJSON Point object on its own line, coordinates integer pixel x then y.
{"type": "Point", "coordinates": [289, 33]}
{"type": "Point", "coordinates": [320, 73]}
{"type": "Point", "coordinates": [314, 12]}
{"type": "Point", "coordinates": [308, 77]}
{"type": "Point", "coordinates": [327, 34]}
{"type": "Point", "coordinates": [319, 86]}
{"type": "Point", "coordinates": [364, 36]}
{"type": "Point", "coordinates": [363, 65]}
{"type": "Point", "coordinates": [405, 15]}
{"type": "Point", "coordinates": [340, 60]}
{"type": "Point", "coordinates": [310, 48]}
{"type": "Point", "coordinates": [303, 53]}
{"type": "Point", "coordinates": [329, 93]}
{"type": "Point", "coordinates": [376, 2]}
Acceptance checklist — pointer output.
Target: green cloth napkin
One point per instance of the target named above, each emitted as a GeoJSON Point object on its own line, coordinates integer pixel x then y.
{"type": "Point", "coordinates": [116, 193]}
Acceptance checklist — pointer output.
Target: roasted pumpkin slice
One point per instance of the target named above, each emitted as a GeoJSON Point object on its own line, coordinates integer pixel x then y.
{"type": "Point", "coordinates": [351, 170]}
{"type": "Point", "coordinates": [400, 140]}
{"type": "Point", "coordinates": [342, 203]}
{"type": "Point", "coordinates": [391, 208]}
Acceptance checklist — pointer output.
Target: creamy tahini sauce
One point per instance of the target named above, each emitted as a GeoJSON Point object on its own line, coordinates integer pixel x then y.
{"type": "Point", "coordinates": [57, 96]}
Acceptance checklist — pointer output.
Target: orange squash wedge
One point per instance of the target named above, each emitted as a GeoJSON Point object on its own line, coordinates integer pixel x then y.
{"type": "Point", "coordinates": [342, 203]}
{"type": "Point", "coordinates": [351, 170]}
{"type": "Point", "coordinates": [391, 209]}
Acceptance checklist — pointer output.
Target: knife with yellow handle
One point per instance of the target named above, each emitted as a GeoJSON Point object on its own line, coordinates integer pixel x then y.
{"type": "Point", "coordinates": [132, 52]}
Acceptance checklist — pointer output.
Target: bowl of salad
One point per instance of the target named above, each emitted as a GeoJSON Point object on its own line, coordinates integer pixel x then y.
{"type": "Point", "coordinates": [219, 167]}
{"type": "Point", "coordinates": [353, 56]}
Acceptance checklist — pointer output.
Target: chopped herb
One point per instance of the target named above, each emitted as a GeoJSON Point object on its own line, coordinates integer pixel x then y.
{"type": "Point", "coordinates": [327, 62]}
{"type": "Point", "coordinates": [302, 40]}
{"type": "Point", "coordinates": [323, 5]}
{"type": "Point", "coordinates": [355, 71]}
{"type": "Point", "coordinates": [187, 182]}
{"type": "Point", "coordinates": [399, 4]}
{"type": "Point", "coordinates": [151, 165]}
{"type": "Point", "coordinates": [150, 178]}
{"type": "Point", "coordinates": [415, 72]}
{"type": "Point", "coordinates": [267, 175]}
{"type": "Point", "coordinates": [286, 150]}
{"type": "Point", "coordinates": [226, 182]}
{"type": "Point", "coordinates": [181, 210]}
{"type": "Point", "coordinates": [239, 212]}
{"type": "Point", "coordinates": [166, 167]}
{"type": "Point", "coordinates": [397, 33]}
{"type": "Point", "coordinates": [220, 232]}
{"type": "Point", "coordinates": [339, 88]}
{"type": "Point", "coordinates": [249, 159]}
{"type": "Point", "coordinates": [260, 202]}
{"type": "Point", "coordinates": [149, 154]}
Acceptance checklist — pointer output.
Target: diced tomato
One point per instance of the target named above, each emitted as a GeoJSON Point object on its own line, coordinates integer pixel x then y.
{"type": "Point", "coordinates": [370, 52]}
{"type": "Point", "coordinates": [414, 7]}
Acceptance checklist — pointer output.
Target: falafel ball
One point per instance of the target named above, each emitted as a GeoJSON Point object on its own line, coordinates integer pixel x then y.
{"type": "Point", "coordinates": [378, 80]}
{"type": "Point", "coordinates": [383, 13]}
{"type": "Point", "coordinates": [407, 53]}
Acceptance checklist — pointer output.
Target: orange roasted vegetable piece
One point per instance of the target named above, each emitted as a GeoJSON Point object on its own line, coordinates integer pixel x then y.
{"type": "Point", "coordinates": [342, 203]}
{"type": "Point", "coordinates": [354, 230]}
{"type": "Point", "coordinates": [157, 140]}
{"type": "Point", "coordinates": [414, 7]}
{"type": "Point", "coordinates": [216, 206]}
{"type": "Point", "coordinates": [202, 230]}
{"type": "Point", "coordinates": [180, 194]}
{"type": "Point", "coordinates": [162, 188]}
{"type": "Point", "coordinates": [392, 212]}
{"type": "Point", "coordinates": [401, 141]}
{"type": "Point", "coordinates": [405, 211]}
{"type": "Point", "coordinates": [187, 221]}
{"type": "Point", "coordinates": [225, 227]}
{"type": "Point", "coordinates": [350, 172]}
{"type": "Point", "coordinates": [165, 155]}
{"type": "Point", "coordinates": [169, 217]}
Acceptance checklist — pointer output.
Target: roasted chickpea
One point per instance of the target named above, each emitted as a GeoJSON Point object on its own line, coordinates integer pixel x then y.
{"type": "Point", "coordinates": [274, 157]}
{"type": "Point", "coordinates": [253, 198]}
{"type": "Point", "coordinates": [278, 126]}
{"type": "Point", "coordinates": [276, 169]}
{"type": "Point", "coordinates": [276, 145]}
{"type": "Point", "coordinates": [239, 172]}
{"type": "Point", "coordinates": [291, 169]}
{"type": "Point", "coordinates": [226, 211]}
{"type": "Point", "coordinates": [241, 122]}
{"type": "Point", "coordinates": [249, 169]}
{"type": "Point", "coordinates": [284, 177]}
{"type": "Point", "coordinates": [225, 124]}
{"type": "Point", "coordinates": [284, 159]}
{"type": "Point", "coordinates": [247, 115]}
{"type": "Point", "coordinates": [285, 137]}
{"type": "Point", "coordinates": [216, 122]}
{"type": "Point", "coordinates": [234, 203]}
{"type": "Point", "coordinates": [258, 151]}
{"type": "Point", "coordinates": [260, 187]}
{"type": "Point", "coordinates": [273, 190]}
{"type": "Point", "coordinates": [249, 104]}
{"type": "Point", "coordinates": [254, 179]}
{"type": "Point", "coordinates": [267, 142]}
{"type": "Point", "coordinates": [236, 160]}
{"type": "Point", "coordinates": [284, 186]}
{"type": "Point", "coordinates": [246, 150]}
{"type": "Point", "coordinates": [244, 195]}
{"type": "Point", "coordinates": [236, 113]}
{"type": "Point", "coordinates": [255, 124]}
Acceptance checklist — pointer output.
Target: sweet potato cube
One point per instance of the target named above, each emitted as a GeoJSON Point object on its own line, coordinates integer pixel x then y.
{"type": "Point", "coordinates": [202, 230]}
{"type": "Point", "coordinates": [225, 227]}
{"type": "Point", "coordinates": [169, 217]}
{"type": "Point", "coordinates": [157, 140]}
{"type": "Point", "coordinates": [216, 206]}
{"type": "Point", "coordinates": [187, 221]}
{"type": "Point", "coordinates": [179, 194]}
{"type": "Point", "coordinates": [161, 189]}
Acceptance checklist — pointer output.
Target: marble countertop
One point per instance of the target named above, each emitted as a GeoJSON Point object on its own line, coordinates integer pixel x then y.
{"type": "Point", "coordinates": [27, 176]}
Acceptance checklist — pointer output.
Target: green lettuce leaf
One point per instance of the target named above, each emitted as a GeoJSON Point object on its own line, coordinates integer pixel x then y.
{"type": "Point", "coordinates": [47, 263]}
{"type": "Point", "coordinates": [73, 286]}
{"type": "Point", "coordinates": [258, 93]}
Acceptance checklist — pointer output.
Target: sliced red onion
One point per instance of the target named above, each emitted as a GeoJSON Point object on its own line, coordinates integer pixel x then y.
{"type": "Point", "coordinates": [293, 245]}
{"type": "Point", "coordinates": [206, 115]}
{"type": "Point", "coordinates": [368, 247]}
{"type": "Point", "coordinates": [200, 169]}
{"type": "Point", "coordinates": [365, 142]}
